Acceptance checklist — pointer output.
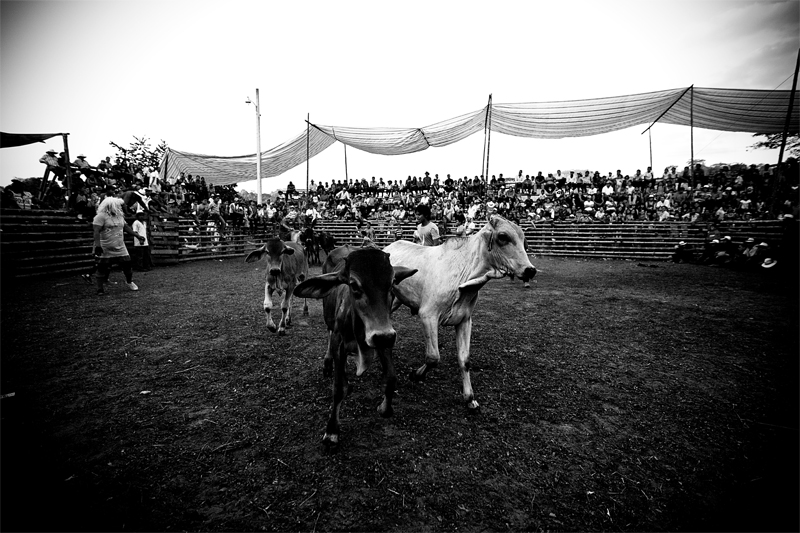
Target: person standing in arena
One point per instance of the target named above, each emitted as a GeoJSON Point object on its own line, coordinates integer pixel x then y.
{"type": "Point", "coordinates": [428, 233]}
{"type": "Point", "coordinates": [141, 248]}
{"type": "Point", "coordinates": [109, 227]}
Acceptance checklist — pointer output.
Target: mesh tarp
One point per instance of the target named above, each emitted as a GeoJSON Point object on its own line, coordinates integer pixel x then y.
{"type": "Point", "coordinates": [221, 170]}
{"type": "Point", "coordinates": [735, 110]}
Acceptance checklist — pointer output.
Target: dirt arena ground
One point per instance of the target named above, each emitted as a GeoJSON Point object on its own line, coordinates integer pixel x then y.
{"type": "Point", "coordinates": [614, 397]}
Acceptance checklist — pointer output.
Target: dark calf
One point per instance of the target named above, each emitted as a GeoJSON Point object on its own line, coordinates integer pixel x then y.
{"type": "Point", "coordinates": [357, 298]}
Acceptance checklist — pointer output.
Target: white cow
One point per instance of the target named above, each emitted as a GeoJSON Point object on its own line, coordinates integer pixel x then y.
{"type": "Point", "coordinates": [445, 289]}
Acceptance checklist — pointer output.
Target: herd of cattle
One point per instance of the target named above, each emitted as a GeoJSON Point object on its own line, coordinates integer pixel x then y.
{"type": "Point", "coordinates": [361, 287]}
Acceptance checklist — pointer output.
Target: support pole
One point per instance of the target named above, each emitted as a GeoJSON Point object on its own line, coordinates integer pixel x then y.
{"type": "Point", "coordinates": [258, 150]}
{"type": "Point", "coordinates": [650, 138]}
{"type": "Point", "coordinates": [345, 163]}
{"type": "Point", "coordinates": [789, 112]}
{"type": "Point", "coordinates": [489, 138]}
{"type": "Point", "coordinates": [68, 170]}
{"type": "Point", "coordinates": [308, 133]}
{"type": "Point", "coordinates": [778, 184]}
{"type": "Point", "coordinates": [485, 126]}
{"type": "Point", "coordinates": [691, 137]}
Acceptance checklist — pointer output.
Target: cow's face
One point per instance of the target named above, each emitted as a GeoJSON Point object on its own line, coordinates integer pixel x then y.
{"type": "Point", "coordinates": [506, 247]}
{"type": "Point", "coordinates": [274, 250]}
{"type": "Point", "coordinates": [370, 277]}
{"type": "Point", "coordinates": [365, 282]}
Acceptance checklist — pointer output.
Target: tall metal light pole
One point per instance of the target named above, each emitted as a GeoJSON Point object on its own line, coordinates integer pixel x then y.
{"type": "Point", "coordinates": [258, 147]}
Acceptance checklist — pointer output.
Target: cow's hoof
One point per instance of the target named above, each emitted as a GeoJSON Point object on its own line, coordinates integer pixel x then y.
{"type": "Point", "coordinates": [305, 312]}
{"type": "Point", "coordinates": [473, 407]}
{"type": "Point", "coordinates": [385, 411]}
{"type": "Point", "coordinates": [281, 332]}
{"type": "Point", "coordinates": [421, 373]}
{"type": "Point", "coordinates": [416, 375]}
{"type": "Point", "coordinates": [350, 388]}
{"type": "Point", "coordinates": [330, 442]}
{"type": "Point", "coordinates": [272, 328]}
{"type": "Point", "coordinates": [527, 285]}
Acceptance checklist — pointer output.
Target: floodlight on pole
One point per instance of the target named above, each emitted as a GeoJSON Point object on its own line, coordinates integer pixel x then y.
{"type": "Point", "coordinates": [258, 146]}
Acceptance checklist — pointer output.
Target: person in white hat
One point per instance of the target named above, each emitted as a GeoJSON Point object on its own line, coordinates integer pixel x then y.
{"type": "Point", "coordinates": [744, 252]}
{"type": "Point", "coordinates": [769, 263]}
{"type": "Point", "coordinates": [757, 254]}
{"type": "Point", "coordinates": [682, 253]}
{"type": "Point", "coordinates": [51, 160]}
{"type": "Point", "coordinates": [86, 169]}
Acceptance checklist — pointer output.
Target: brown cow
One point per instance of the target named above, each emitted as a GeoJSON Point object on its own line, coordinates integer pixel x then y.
{"type": "Point", "coordinates": [286, 265]}
{"type": "Point", "coordinates": [357, 300]}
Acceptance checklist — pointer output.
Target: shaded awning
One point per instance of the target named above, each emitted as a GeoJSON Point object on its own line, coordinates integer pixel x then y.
{"type": "Point", "coordinates": [734, 110]}
{"type": "Point", "coordinates": [9, 140]}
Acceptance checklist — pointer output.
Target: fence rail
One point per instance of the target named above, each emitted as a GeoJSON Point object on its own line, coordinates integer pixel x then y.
{"type": "Point", "coordinates": [37, 242]}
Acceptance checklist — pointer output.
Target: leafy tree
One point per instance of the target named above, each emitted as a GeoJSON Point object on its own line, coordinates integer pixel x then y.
{"type": "Point", "coordinates": [140, 153]}
{"type": "Point", "coordinates": [773, 141]}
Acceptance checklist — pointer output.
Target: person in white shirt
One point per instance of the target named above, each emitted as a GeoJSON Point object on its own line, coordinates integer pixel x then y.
{"type": "Point", "coordinates": [473, 210]}
{"type": "Point", "coordinates": [398, 212]}
{"type": "Point", "coordinates": [142, 260]}
{"type": "Point", "coordinates": [311, 215]}
{"type": "Point", "coordinates": [427, 231]}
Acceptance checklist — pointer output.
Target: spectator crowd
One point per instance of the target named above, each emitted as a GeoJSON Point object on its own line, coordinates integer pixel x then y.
{"type": "Point", "coordinates": [721, 194]}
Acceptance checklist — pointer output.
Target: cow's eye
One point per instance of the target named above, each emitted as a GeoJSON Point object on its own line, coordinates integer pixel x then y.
{"type": "Point", "coordinates": [356, 289]}
{"type": "Point", "coordinates": [503, 239]}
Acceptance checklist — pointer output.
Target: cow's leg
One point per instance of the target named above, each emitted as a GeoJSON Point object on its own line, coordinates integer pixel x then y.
{"type": "Point", "coordinates": [430, 329]}
{"type": "Point", "coordinates": [463, 336]}
{"type": "Point", "coordinates": [286, 310]}
{"type": "Point", "coordinates": [385, 408]}
{"type": "Point", "coordinates": [327, 363]}
{"type": "Point", "coordinates": [331, 438]}
{"type": "Point", "coordinates": [363, 359]}
{"type": "Point", "coordinates": [305, 306]}
{"type": "Point", "coordinates": [268, 289]}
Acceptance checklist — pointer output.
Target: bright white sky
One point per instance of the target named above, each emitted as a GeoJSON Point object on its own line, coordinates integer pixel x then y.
{"type": "Point", "coordinates": [181, 70]}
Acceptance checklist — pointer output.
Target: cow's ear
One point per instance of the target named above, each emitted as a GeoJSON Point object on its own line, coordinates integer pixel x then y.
{"type": "Point", "coordinates": [493, 220]}
{"type": "Point", "coordinates": [401, 273]}
{"type": "Point", "coordinates": [288, 250]}
{"type": "Point", "coordinates": [319, 286]}
{"type": "Point", "coordinates": [256, 254]}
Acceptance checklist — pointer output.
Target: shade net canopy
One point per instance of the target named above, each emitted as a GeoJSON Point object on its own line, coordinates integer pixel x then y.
{"type": "Point", "coordinates": [9, 140]}
{"type": "Point", "coordinates": [221, 170]}
{"type": "Point", "coordinates": [734, 110]}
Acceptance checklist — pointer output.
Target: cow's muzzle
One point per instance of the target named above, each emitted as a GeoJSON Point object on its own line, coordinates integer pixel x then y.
{"type": "Point", "coordinates": [275, 272]}
{"type": "Point", "coordinates": [381, 339]}
{"type": "Point", "coordinates": [528, 274]}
